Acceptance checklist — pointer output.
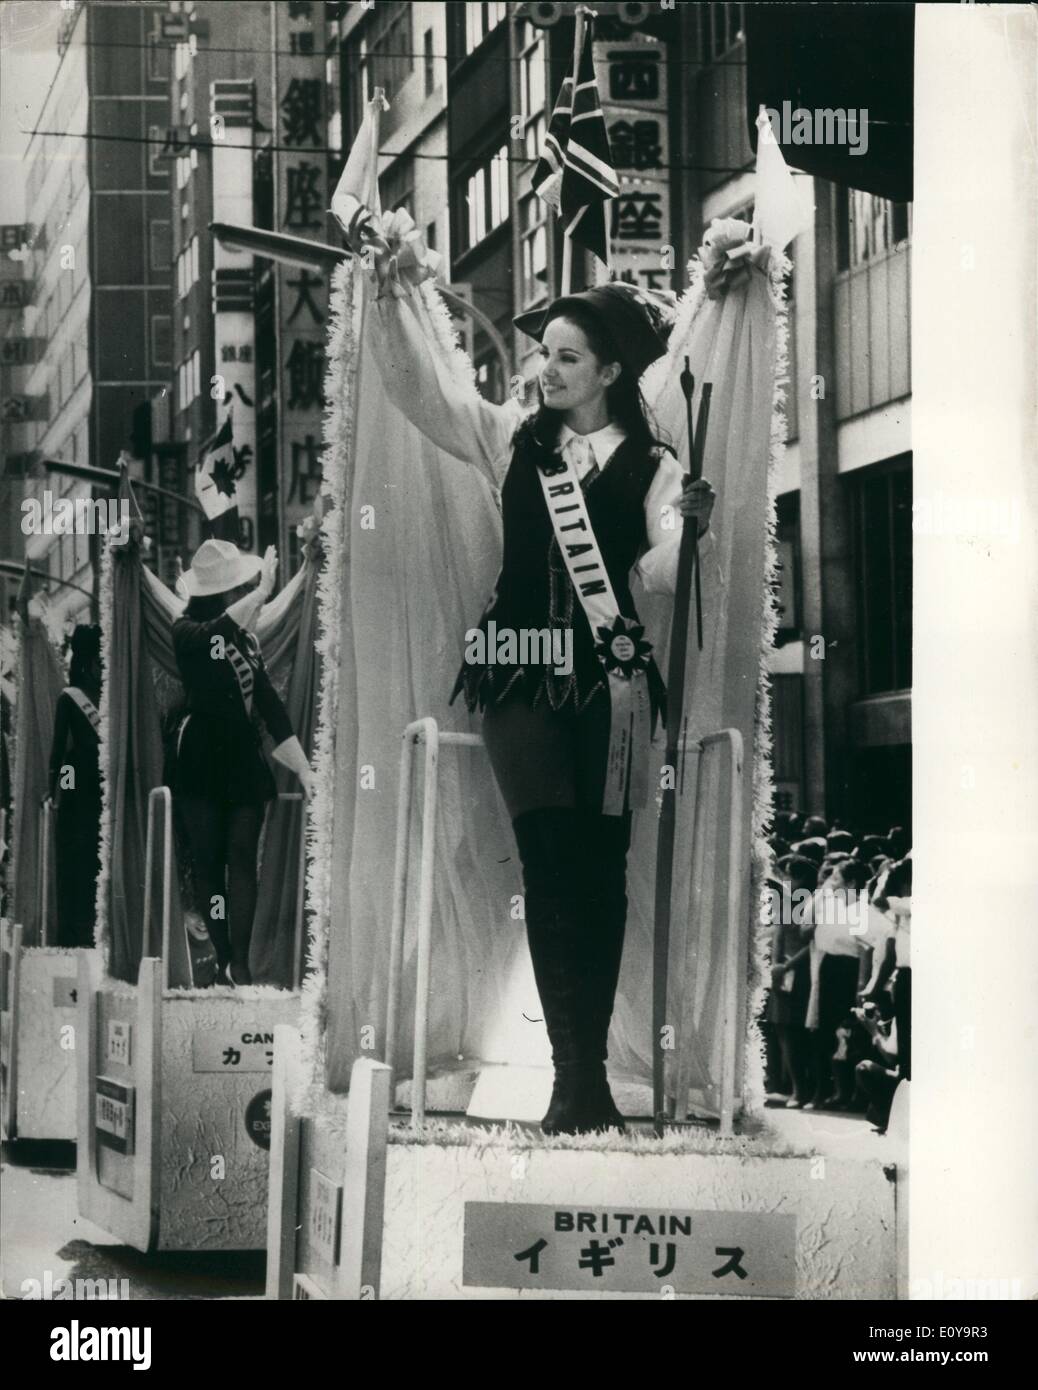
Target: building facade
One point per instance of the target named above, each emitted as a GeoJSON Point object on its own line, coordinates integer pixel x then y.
{"type": "Point", "coordinates": [841, 671]}
{"type": "Point", "coordinates": [99, 271]}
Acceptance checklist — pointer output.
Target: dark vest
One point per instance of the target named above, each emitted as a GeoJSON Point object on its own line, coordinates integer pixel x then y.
{"type": "Point", "coordinates": [534, 589]}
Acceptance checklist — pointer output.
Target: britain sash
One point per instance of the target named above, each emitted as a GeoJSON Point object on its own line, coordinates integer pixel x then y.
{"type": "Point", "coordinates": [619, 642]}
{"type": "Point", "coordinates": [86, 705]}
{"type": "Point", "coordinates": [242, 672]}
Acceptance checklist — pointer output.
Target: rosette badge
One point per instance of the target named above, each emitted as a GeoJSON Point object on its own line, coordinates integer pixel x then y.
{"type": "Point", "coordinates": [623, 649]}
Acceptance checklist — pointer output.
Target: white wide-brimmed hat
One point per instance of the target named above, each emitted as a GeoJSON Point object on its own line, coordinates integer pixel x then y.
{"type": "Point", "coordinates": [217, 567]}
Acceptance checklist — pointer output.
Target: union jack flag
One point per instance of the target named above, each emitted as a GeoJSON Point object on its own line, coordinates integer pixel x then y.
{"type": "Point", "coordinates": [575, 173]}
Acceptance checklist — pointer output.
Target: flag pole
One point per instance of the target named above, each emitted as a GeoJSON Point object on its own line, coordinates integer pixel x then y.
{"type": "Point", "coordinates": [567, 243]}
{"type": "Point", "coordinates": [666, 834]}
{"type": "Point", "coordinates": [378, 102]}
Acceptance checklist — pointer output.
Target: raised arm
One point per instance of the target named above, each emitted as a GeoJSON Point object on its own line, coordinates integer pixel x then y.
{"type": "Point", "coordinates": [419, 383]}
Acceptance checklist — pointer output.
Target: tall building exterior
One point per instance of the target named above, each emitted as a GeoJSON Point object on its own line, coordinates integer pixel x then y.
{"type": "Point", "coordinates": [100, 265]}
{"type": "Point", "coordinates": [841, 673]}
{"type": "Point", "coordinates": [253, 136]}
{"type": "Point", "coordinates": [673, 88]}
{"type": "Point", "coordinates": [17, 351]}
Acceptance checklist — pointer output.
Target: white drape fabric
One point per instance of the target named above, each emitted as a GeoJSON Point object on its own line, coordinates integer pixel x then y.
{"type": "Point", "coordinates": [419, 547]}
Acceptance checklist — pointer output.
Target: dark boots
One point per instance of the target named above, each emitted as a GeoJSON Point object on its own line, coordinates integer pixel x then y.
{"type": "Point", "coordinates": [606, 842]}
{"type": "Point", "coordinates": [575, 911]}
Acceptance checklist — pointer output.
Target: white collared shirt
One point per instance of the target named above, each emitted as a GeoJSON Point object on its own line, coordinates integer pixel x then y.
{"type": "Point", "coordinates": [657, 567]}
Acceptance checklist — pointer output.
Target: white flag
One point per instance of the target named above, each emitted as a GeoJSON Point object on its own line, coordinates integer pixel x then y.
{"type": "Point", "coordinates": [779, 212]}
{"type": "Point", "coordinates": [356, 195]}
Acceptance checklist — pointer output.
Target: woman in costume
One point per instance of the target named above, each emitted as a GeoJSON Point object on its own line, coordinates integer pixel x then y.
{"type": "Point", "coordinates": [215, 763]}
{"type": "Point", "coordinates": [75, 787]}
{"type": "Point", "coordinates": [587, 494]}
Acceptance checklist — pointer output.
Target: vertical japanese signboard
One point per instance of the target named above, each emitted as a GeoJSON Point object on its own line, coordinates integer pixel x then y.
{"type": "Point", "coordinates": [231, 110]}
{"type": "Point", "coordinates": [632, 82]}
{"type": "Point", "coordinates": [301, 200]}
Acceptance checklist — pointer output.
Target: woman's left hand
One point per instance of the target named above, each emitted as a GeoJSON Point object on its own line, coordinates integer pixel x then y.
{"type": "Point", "coordinates": [697, 499]}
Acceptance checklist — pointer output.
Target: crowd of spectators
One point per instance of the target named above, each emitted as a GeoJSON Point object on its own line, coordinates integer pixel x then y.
{"type": "Point", "coordinates": [837, 1022]}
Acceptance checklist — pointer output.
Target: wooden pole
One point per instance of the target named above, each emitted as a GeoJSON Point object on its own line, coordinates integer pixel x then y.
{"type": "Point", "coordinates": [378, 101]}
{"type": "Point", "coordinates": [675, 714]}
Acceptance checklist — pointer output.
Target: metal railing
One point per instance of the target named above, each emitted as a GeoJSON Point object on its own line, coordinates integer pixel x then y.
{"type": "Point", "coordinates": [43, 870]}
{"type": "Point", "coordinates": [728, 743]}
{"type": "Point", "coordinates": [425, 731]}
{"type": "Point", "coordinates": [729, 864]}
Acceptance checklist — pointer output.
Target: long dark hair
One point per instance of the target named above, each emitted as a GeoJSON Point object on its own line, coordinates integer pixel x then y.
{"type": "Point", "coordinates": [624, 400]}
{"type": "Point", "coordinates": [85, 658]}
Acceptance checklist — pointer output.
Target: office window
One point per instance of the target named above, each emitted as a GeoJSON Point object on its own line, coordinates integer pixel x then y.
{"type": "Point", "coordinates": [476, 199]}
{"type": "Point", "coordinates": [396, 187]}
{"type": "Point", "coordinates": [158, 59]}
{"type": "Point", "coordinates": [429, 61]}
{"type": "Point", "coordinates": [194, 251]}
{"type": "Point", "coordinates": [787, 583]}
{"type": "Point", "coordinates": [881, 500]}
{"type": "Point", "coordinates": [532, 89]}
{"type": "Point", "coordinates": [720, 27]}
{"type": "Point", "coordinates": [486, 197]}
{"type": "Point", "coordinates": [160, 244]}
{"type": "Point", "coordinates": [534, 220]}
{"type": "Point", "coordinates": [161, 340]}
{"type": "Point", "coordinates": [868, 226]}
{"type": "Point", "coordinates": [499, 188]}
{"type": "Point", "coordinates": [480, 21]}
{"type": "Point", "coordinates": [196, 374]}
{"type": "Point", "coordinates": [386, 59]}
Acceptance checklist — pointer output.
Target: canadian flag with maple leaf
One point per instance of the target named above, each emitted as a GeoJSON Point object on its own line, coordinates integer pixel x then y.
{"type": "Point", "coordinates": [216, 480]}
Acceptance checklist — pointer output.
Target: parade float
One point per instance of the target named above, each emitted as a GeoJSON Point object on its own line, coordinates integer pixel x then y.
{"type": "Point", "coordinates": [174, 1070]}
{"type": "Point", "coordinates": [401, 1167]}
{"type": "Point", "coordinates": [38, 977]}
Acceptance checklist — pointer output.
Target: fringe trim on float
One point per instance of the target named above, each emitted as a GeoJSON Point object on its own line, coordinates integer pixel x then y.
{"type": "Point", "coordinates": [312, 1097]}
{"type": "Point", "coordinates": [762, 779]}
{"type": "Point", "coordinates": [461, 368]}
{"type": "Point", "coordinates": [247, 992]}
{"type": "Point", "coordinates": [779, 266]}
{"type": "Point", "coordinates": [761, 1143]}
{"type": "Point", "coordinates": [106, 593]}
{"type": "Point", "coordinates": [336, 463]}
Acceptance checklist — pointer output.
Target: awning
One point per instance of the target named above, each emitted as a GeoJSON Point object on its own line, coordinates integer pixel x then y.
{"type": "Point", "coordinates": [838, 57]}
